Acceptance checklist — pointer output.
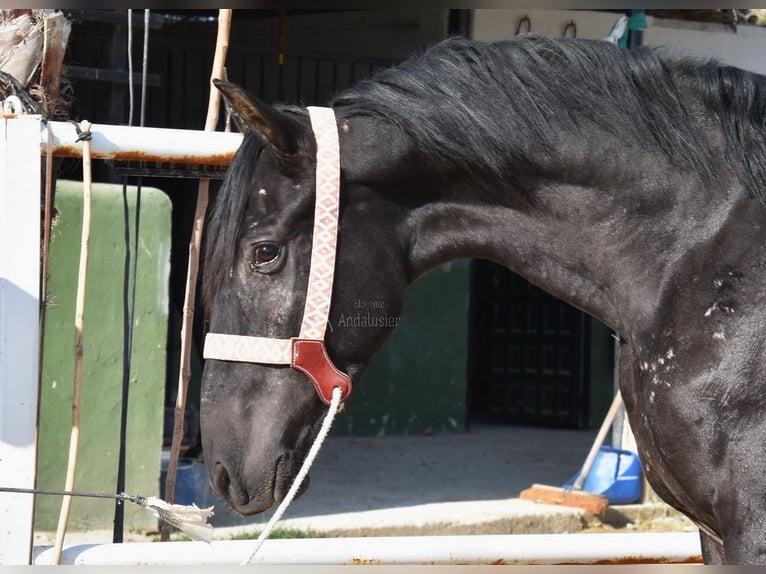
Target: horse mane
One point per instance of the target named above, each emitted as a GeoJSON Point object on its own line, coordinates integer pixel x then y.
{"type": "Point", "coordinates": [465, 103]}
{"type": "Point", "coordinates": [225, 219]}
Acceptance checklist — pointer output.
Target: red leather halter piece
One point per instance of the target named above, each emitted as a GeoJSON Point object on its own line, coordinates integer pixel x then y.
{"type": "Point", "coordinates": [307, 352]}
{"type": "Point", "coordinates": [310, 357]}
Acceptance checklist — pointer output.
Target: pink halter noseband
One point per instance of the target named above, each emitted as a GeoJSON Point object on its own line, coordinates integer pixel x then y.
{"type": "Point", "coordinates": [306, 352]}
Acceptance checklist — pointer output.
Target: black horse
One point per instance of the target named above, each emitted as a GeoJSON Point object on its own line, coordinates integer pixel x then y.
{"type": "Point", "coordinates": [630, 184]}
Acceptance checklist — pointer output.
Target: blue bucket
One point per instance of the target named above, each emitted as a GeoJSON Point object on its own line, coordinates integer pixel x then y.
{"type": "Point", "coordinates": [191, 481]}
{"type": "Point", "coordinates": [615, 474]}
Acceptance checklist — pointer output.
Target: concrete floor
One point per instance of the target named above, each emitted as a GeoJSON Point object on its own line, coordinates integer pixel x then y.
{"type": "Point", "coordinates": [467, 478]}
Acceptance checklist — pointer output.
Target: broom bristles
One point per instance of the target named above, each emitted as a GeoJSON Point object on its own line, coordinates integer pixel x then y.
{"type": "Point", "coordinates": [191, 520]}
{"type": "Point", "coordinates": [594, 503]}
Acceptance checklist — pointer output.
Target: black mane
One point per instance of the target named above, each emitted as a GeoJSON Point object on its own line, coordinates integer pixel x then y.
{"type": "Point", "coordinates": [222, 227]}
{"type": "Point", "coordinates": [225, 219]}
{"type": "Point", "coordinates": [466, 103]}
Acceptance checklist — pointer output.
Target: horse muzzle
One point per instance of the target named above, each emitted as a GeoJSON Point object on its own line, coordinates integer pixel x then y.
{"type": "Point", "coordinates": [252, 495]}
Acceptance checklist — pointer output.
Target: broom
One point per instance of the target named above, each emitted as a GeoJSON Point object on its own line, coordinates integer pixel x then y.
{"type": "Point", "coordinates": [576, 497]}
{"type": "Point", "coordinates": [191, 520]}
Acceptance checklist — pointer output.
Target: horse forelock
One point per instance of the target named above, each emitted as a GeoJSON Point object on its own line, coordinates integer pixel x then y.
{"type": "Point", "coordinates": [224, 223]}
{"type": "Point", "coordinates": [468, 103]}
{"type": "Point", "coordinates": [225, 220]}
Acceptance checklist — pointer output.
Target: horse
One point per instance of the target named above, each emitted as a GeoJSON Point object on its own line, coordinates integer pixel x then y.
{"type": "Point", "coordinates": [628, 183]}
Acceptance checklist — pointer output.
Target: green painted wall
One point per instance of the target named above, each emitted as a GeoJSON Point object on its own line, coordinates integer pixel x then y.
{"type": "Point", "coordinates": [416, 384]}
{"type": "Point", "coordinates": [601, 371]}
{"type": "Point", "coordinates": [103, 357]}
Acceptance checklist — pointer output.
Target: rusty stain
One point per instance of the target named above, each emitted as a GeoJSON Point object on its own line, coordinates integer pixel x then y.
{"type": "Point", "coordinates": [365, 562]}
{"type": "Point", "coordinates": [628, 560]}
{"type": "Point", "coordinates": [223, 159]}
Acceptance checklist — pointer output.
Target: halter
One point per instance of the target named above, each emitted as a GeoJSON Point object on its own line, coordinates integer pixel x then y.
{"type": "Point", "coordinates": [306, 352]}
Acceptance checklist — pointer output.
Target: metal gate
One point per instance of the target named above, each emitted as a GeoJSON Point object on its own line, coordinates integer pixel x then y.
{"type": "Point", "coordinates": [529, 352]}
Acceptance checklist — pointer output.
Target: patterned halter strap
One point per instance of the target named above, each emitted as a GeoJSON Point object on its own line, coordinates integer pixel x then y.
{"type": "Point", "coordinates": [306, 352]}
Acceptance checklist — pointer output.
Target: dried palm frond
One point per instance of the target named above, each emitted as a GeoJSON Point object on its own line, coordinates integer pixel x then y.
{"type": "Point", "coordinates": [32, 46]}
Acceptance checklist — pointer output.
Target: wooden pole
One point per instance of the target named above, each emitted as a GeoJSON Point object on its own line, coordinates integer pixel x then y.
{"type": "Point", "coordinates": [184, 375]}
{"type": "Point", "coordinates": [79, 321]}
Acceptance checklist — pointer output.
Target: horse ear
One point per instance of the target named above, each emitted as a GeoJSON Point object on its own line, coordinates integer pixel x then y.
{"type": "Point", "coordinates": [251, 114]}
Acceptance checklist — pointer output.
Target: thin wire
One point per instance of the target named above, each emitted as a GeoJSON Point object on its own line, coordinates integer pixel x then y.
{"type": "Point", "coordinates": [130, 66]}
{"type": "Point", "coordinates": [129, 282]}
{"type": "Point", "coordinates": [118, 526]}
{"type": "Point", "coordinates": [129, 305]}
{"type": "Point", "coordinates": [301, 476]}
{"type": "Point", "coordinates": [80, 493]}
{"type": "Point", "coordinates": [145, 65]}
{"type": "Point", "coordinates": [188, 518]}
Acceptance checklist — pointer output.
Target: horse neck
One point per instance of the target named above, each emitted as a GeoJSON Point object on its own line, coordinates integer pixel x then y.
{"type": "Point", "coordinates": [610, 243]}
{"type": "Point", "coordinates": [603, 224]}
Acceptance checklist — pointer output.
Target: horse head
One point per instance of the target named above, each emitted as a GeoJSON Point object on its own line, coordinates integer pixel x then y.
{"type": "Point", "coordinates": [258, 420]}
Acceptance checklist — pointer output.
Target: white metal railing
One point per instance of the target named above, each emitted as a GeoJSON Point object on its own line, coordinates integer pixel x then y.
{"type": "Point", "coordinates": [23, 139]}
{"type": "Point", "coordinates": [19, 329]}
{"type": "Point", "coordinates": [144, 144]}
{"type": "Point", "coordinates": [609, 548]}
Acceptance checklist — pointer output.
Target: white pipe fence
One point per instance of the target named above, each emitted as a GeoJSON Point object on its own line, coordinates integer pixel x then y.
{"type": "Point", "coordinates": [19, 329]}
{"type": "Point", "coordinates": [22, 141]}
{"type": "Point", "coordinates": [633, 548]}
{"type": "Point", "coordinates": [144, 144]}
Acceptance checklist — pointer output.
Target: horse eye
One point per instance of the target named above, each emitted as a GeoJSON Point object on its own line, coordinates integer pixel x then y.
{"type": "Point", "coordinates": [264, 254]}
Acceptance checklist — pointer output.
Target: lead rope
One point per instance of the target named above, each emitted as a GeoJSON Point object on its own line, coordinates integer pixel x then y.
{"type": "Point", "coordinates": [299, 478]}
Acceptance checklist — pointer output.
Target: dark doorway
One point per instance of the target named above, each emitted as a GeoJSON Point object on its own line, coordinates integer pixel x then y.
{"type": "Point", "coordinates": [529, 353]}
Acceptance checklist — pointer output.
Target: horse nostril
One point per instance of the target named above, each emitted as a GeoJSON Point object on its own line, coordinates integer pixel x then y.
{"type": "Point", "coordinates": [227, 487]}
{"type": "Point", "coordinates": [221, 480]}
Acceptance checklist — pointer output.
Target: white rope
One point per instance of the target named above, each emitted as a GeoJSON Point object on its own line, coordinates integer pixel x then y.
{"type": "Point", "coordinates": [313, 451]}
